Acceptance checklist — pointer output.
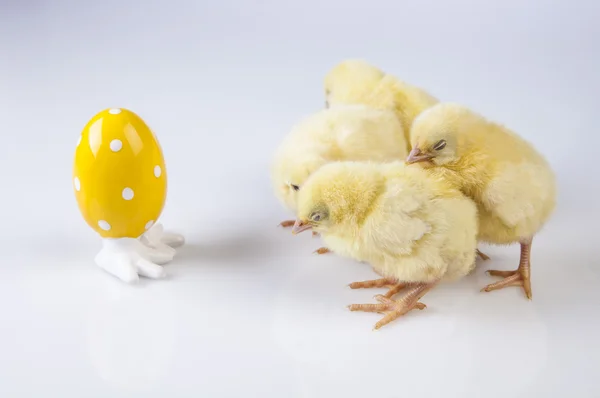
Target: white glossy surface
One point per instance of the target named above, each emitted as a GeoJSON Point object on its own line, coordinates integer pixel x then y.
{"type": "Point", "coordinates": [246, 309]}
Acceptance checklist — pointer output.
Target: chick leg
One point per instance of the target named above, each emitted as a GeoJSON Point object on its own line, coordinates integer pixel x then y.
{"type": "Point", "coordinates": [395, 309]}
{"type": "Point", "coordinates": [393, 286]}
{"type": "Point", "coordinates": [482, 255]}
{"type": "Point", "coordinates": [520, 277]}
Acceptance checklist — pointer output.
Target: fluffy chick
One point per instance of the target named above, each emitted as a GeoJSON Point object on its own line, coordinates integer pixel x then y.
{"type": "Point", "coordinates": [512, 184]}
{"type": "Point", "coordinates": [358, 82]}
{"type": "Point", "coordinates": [342, 133]}
{"type": "Point", "coordinates": [414, 229]}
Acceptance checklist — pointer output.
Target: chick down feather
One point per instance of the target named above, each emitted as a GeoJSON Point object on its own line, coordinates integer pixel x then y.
{"type": "Point", "coordinates": [410, 226]}
{"type": "Point", "coordinates": [345, 133]}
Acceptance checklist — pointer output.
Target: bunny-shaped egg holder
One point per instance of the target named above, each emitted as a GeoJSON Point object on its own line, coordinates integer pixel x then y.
{"type": "Point", "coordinates": [127, 258]}
{"type": "Point", "coordinates": [124, 210]}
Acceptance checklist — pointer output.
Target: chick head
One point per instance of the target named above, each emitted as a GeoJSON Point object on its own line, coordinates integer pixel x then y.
{"type": "Point", "coordinates": [439, 135]}
{"type": "Point", "coordinates": [351, 82]}
{"type": "Point", "coordinates": [339, 196]}
{"type": "Point", "coordinates": [289, 171]}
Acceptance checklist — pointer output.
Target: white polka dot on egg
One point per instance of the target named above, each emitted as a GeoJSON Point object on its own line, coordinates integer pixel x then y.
{"type": "Point", "coordinates": [149, 224]}
{"type": "Point", "coordinates": [104, 225]}
{"type": "Point", "coordinates": [116, 145]}
{"type": "Point", "coordinates": [157, 171]}
{"type": "Point", "coordinates": [77, 184]}
{"type": "Point", "coordinates": [127, 193]}
{"type": "Point", "coordinates": [114, 111]}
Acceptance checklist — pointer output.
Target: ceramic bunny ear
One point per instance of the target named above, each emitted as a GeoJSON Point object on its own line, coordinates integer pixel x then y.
{"type": "Point", "coordinates": [172, 239]}
{"type": "Point", "coordinates": [127, 258]}
{"type": "Point", "coordinates": [123, 210]}
{"type": "Point", "coordinates": [157, 238]}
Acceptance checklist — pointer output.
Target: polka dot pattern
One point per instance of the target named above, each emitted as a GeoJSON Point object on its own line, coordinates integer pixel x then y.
{"type": "Point", "coordinates": [104, 225]}
{"type": "Point", "coordinates": [116, 145]}
{"type": "Point", "coordinates": [127, 194]}
{"type": "Point", "coordinates": [116, 158]}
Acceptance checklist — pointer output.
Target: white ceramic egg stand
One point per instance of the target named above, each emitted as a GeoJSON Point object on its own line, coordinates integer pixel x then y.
{"type": "Point", "coordinates": [127, 258]}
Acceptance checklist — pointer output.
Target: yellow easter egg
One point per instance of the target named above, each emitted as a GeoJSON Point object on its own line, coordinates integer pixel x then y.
{"type": "Point", "coordinates": [119, 174]}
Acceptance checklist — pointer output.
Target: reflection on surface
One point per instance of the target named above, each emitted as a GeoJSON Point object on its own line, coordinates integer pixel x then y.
{"type": "Point", "coordinates": [95, 136]}
{"type": "Point", "coordinates": [131, 338]}
{"type": "Point", "coordinates": [135, 142]}
{"type": "Point", "coordinates": [480, 340]}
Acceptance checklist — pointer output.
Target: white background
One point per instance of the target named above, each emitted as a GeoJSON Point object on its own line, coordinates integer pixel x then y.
{"type": "Point", "coordinates": [247, 310]}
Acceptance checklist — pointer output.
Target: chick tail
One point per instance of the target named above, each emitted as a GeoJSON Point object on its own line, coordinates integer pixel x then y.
{"type": "Point", "coordinates": [520, 277]}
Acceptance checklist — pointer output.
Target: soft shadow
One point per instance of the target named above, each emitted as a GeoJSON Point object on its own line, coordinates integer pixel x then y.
{"type": "Point", "coordinates": [228, 249]}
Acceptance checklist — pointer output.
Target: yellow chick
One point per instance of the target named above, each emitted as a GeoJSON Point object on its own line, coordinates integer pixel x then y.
{"type": "Point", "coordinates": [512, 184]}
{"type": "Point", "coordinates": [358, 82]}
{"type": "Point", "coordinates": [342, 133]}
{"type": "Point", "coordinates": [414, 229]}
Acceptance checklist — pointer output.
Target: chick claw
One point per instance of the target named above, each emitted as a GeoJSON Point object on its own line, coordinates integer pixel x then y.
{"type": "Point", "coordinates": [482, 255]}
{"type": "Point", "coordinates": [322, 250]}
{"type": "Point", "coordinates": [519, 277]}
{"type": "Point", "coordinates": [394, 286]}
{"type": "Point", "coordinates": [287, 223]}
{"type": "Point", "coordinates": [511, 278]}
{"type": "Point", "coordinates": [392, 309]}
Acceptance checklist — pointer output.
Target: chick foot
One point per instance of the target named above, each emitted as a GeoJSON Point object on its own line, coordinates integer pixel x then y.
{"type": "Point", "coordinates": [482, 255]}
{"type": "Point", "coordinates": [393, 286]}
{"type": "Point", "coordinates": [395, 309]}
{"type": "Point", "coordinates": [126, 258]}
{"type": "Point", "coordinates": [520, 277]}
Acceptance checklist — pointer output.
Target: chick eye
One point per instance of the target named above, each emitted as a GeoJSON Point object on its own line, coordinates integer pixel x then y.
{"type": "Point", "coordinates": [295, 187]}
{"type": "Point", "coordinates": [316, 217]}
{"type": "Point", "coordinates": [441, 144]}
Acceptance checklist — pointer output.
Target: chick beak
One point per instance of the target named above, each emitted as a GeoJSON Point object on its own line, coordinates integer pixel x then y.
{"type": "Point", "coordinates": [300, 226]}
{"type": "Point", "coordinates": [416, 156]}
